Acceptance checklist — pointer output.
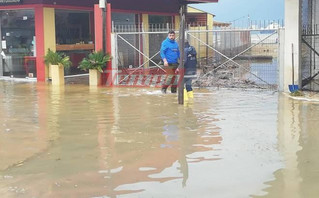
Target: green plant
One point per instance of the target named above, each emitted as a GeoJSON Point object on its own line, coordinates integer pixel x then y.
{"type": "Point", "coordinates": [297, 93]}
{"type": "Point", "coordinates": [95, 60]}
{"type": "Point", "coordinates": [57, 58]}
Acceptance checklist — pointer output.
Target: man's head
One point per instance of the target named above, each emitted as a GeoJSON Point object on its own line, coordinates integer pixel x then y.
{"type": "Point", "coordinates": [186, 44]}
{"type": "Point", "coordinates": [171, 35]}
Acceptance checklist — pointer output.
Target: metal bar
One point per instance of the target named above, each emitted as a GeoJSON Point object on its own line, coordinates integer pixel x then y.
{"type": "Point", "coordinates": [308, 80]}
{"type": "Point", "coordinates": [139, 51]}
{"type": "Point", "coordinates": [197, 31]}
{"type": "Point", "coordinates": [207, 40]}
{"type": "Point", "coordinates": [243, 52]}
{"type": "Point", "coordinates": [182, 54]}
{"type": "Point", "coordinates": [314, 50]}
{"type": "Point", "coordinates": [230, 30]}
{"type": "Point", "coordinates": [140, 67]}
{"type": "Point", "coordinates": [306, 35]}
{"type": "Point", "coordinates": [148, 61]}
{"type": "Point", "coordinates": [143, 32]}
{"type": "Point", "coordinates": [231, 60]}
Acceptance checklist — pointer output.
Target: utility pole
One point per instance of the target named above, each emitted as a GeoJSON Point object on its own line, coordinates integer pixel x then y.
{"type": "Point", "coordinates": [182, 53]}
{"type": "Point", "coordinates": [102, 5]}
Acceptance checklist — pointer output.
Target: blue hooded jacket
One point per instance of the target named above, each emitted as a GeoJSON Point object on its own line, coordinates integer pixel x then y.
{"type": "Point", "coordinates": [170, 51]}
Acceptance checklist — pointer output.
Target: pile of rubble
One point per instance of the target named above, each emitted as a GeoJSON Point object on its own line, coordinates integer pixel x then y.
{"type": "Point", "coordinates": [225, 76]}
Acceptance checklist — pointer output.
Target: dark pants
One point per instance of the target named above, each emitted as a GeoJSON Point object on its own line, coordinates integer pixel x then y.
{"type": "Point", "coordinates": [188, 84]}
{"type": "Point", "coordinates": [171, 77]}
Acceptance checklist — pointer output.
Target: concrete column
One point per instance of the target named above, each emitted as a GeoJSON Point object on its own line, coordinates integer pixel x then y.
{"type": "Point", "coordinates": [114, 73]}
{"type": "Point", "coordinates": [146, 40]}
{"type": "Point", "coordinates": [49, 34]}
{"type": "Point", "coordinates": [98, 24]}
{"type": "Point", "coordinates": [40, 49]}
{"type": "Point", "coordinates": [292, 36]}
{"type": "Point", "coordinates": [1, 58]}
{"type": "Point", "coordinates": [109, 34]}
{"type": "Point", "coordinates": [281, 60]}
{"type": "Point", "coordinates": [49, 29]}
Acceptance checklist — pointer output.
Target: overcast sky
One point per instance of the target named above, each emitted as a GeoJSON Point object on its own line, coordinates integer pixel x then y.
{"type": "Point", "coordinates": [229, 10]}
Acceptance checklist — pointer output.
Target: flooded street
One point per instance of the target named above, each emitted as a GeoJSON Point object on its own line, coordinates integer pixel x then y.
{"type": "Point", "coordinates": [87, 142]}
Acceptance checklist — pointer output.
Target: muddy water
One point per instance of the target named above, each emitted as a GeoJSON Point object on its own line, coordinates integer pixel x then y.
{"type": "Point", "coordinates": [78, 141]}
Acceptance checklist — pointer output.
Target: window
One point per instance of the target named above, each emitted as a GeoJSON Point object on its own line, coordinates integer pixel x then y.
{"type": "Point", "coordinates": [72, 27]}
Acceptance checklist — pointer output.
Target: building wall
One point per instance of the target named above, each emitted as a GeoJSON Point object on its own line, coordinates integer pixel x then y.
{"type": "Point", "coordinates": [292, 37]}
{"type": "Point", "coordinates": [206, 23]}
{"type": "Point", "coordinates": [49, 34]}
{"type": "Point", "coordinates": [160, 6]}
{"type": "Point", "coordinates": [193, 10]}
{"type": "Point", "coordinates": [45, 19]}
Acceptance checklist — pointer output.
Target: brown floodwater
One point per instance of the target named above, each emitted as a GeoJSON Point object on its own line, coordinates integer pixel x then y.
{"type": "Point", "coordinates": [77, 141]}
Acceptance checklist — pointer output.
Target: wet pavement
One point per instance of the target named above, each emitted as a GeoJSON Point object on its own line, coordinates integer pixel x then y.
{"type": "Point", "coordinates": [78, 141]}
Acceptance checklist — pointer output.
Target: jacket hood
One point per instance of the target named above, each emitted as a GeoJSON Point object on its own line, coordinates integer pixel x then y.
{"type": "Point", "coordinates": [172, 41]}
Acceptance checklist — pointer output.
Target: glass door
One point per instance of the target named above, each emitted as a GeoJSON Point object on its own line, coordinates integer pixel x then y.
{"type": "Point", "coordinates": [17, 43]}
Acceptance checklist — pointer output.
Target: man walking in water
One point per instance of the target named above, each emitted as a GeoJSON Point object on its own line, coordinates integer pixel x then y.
{"type": "Point", "coordinates": [170, 55]}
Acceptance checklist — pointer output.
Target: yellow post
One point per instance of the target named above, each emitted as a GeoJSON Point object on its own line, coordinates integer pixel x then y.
{"type": "Point", "coordinates": [49, 34]}
{"type": "Point", "coordinates": [146, 39]}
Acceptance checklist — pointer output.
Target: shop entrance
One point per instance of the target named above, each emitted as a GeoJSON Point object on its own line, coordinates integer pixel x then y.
{"type": "Point", "coordinates": [17, 46]}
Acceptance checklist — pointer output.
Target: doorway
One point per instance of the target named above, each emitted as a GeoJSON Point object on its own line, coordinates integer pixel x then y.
{"type": "Point", "coordinates": [17, 33]}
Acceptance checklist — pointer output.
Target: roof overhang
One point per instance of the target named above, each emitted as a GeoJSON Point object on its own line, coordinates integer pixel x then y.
{"type": "Point", "coordinates": [200, 1]}
{"type": "Point", "coordinates": [153, 6]}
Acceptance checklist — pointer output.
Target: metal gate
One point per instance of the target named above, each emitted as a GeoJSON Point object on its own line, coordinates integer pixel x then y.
{"type": "Point", "coordinates": [310, 45]}
{"type": "Point", "coordinates": [237, 58]}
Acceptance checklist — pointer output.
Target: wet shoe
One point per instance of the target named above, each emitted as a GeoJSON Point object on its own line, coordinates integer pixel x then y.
{"type": "Point", "coordinates": [173, 89]}
{"type": "Point", "coordinates": [163, 90]}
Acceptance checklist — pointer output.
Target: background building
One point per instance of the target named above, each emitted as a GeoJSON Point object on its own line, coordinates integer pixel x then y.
{"type": "Point", "coordinates": [30, 27]}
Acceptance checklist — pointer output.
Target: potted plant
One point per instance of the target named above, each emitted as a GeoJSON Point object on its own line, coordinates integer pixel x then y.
{"type": "Point", "coordinates": [57, 62]}
{"type": "Point", "coordinates": [95, 63]}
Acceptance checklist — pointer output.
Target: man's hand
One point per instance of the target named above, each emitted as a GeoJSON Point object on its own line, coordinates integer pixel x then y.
{"type": "Point", "coordinates": [165, 63]}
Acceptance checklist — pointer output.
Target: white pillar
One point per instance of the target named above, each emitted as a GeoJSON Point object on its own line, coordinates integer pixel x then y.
{"type": "Point", "coordinates": [1, 58]}
{"type": "Point", "coordinates": [292, 36]}
{"type": "Point", "coordinates": [115, 69]}
{"type": "Point", "coordinates": [281, 62]}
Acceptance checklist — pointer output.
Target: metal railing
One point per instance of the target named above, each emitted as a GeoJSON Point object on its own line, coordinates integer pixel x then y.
{"type": "Point", "coordinates": [116, 28]}
{"type": "Point", "coordinates": [231, 58]}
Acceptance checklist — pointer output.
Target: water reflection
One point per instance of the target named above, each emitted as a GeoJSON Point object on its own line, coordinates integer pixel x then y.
{"type": "Point", "coordinates": [267, 70]}
{"type": "Point", "coordinates": [19, 121]}
{"type": "Point", "coordinates": [261, 72]}
{"type": "Point", "coordinates": [298, 144]}
{"type": "Point", "coordinates": [79, 141]}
